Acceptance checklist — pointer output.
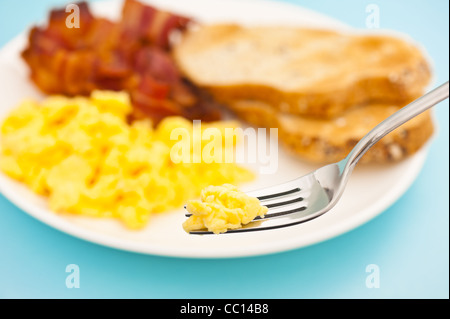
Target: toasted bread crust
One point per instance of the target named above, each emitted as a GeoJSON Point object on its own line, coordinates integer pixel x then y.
{"type": "Point", "coordinates": [330, 140]}
{"type": "Point", "coordinates": [322, 89]}
{"type": "Point", "coordinates": [302, 71]}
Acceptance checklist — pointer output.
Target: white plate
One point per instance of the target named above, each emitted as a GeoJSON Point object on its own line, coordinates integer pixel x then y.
{"type": "Point", "coordinates": [370, 191]}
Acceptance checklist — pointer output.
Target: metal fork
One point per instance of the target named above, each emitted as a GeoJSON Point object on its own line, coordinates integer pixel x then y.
{"type": "Point", "coordinates": [316, 193]}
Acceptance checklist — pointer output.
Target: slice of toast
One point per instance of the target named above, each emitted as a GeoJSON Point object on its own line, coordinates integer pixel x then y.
{"type": "Point", "coordinates": [299, 70]}
{"type": "Point", "coordinates": [330, 140]}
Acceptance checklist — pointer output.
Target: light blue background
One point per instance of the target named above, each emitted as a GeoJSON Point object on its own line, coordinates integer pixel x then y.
{"type": "Point", "coordinates": [409, 241]}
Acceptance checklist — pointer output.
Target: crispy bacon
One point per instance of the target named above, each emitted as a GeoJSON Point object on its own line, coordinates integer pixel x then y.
{"type": "Point", "coordinates": [132, 54]}
{"type": "Point", "coordinates": [144, 23]}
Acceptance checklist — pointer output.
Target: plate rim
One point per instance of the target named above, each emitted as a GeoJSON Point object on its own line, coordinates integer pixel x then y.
{"type": "Point", "coordinates": [63, 225]}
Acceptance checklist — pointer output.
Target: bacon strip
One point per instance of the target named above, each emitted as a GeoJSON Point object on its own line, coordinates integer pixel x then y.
{"type": "Point", "coordinates": [132, 54]}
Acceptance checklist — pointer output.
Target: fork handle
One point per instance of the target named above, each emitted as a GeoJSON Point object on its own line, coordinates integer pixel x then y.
{"type": "Point", "coordinates": [395, 120]}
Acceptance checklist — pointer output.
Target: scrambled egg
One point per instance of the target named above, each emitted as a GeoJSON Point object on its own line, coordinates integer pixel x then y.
{"type": "Point", "coordinates": [87, 159]}
{"type": "Point", "coordinates": [221, 208]}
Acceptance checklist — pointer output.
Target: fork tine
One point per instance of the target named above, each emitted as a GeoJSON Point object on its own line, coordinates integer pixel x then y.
{"type": "Point", "coordinates": [249, 227]}
{"type": "Point", "coordinates": [275, 214]}
{"type": "Point", "coordinates": [271, 196]}
{"type": "Point", "coordinates": [269, 200]}
{"type": "Point", "coordinates": [277, 204]}
{"type": "Point", "coordinates": [273, 205]}
{"type": "Point", "coordinates": [282, 213]}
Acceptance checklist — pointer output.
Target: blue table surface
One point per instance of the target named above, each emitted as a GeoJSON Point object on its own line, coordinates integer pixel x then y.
{"type": "Point", "coordinates": [409, 242]}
